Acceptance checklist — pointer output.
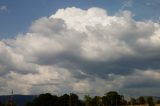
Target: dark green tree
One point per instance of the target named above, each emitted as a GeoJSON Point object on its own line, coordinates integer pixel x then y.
{"type": "Point", "coordinates": [114, 99]}
{"type": "Point", "coordinates": [133, 101]}
{"type": "Point", "coordinates": [64, 100]}
{"type": "Point", "coordinates": [141, 100]}
{"type": "Point", "coordinates": [150, 101]}
{"type": "Point", "coordinates": [74, 100]}
{"type": "Point", "coordinates": [104, 101]}
{"type": "Point", "coordinates": [44, 100]}
{"type": "Point", "coordinates": [30, 104]}
{"type": "Point", "coordinates": [97, 101]}
{"type": "Point", "coordinates": [88, 100]}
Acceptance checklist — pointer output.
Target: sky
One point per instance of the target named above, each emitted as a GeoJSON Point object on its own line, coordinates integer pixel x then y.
{"type": "Point", "coordinates": [81, 46]}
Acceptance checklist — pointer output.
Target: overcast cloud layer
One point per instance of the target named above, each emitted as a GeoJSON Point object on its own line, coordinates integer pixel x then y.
{"type": "Point", "coordinates": [83, 51]}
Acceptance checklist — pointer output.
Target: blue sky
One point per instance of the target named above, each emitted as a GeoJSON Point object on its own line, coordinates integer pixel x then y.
{"type": "Point", "coordinates": [80, 46]}
{"type": "Point", "coordinates": [21, 13]}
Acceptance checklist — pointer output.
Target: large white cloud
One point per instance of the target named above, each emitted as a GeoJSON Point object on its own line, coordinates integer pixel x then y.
{"type": "Point", "coordinates": [81, 51]}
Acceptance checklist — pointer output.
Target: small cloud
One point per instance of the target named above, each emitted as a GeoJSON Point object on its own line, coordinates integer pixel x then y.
{"type": "Point", "coordinates": [148, 4]}
{"type": "Point", "coordinates": [154, 5]}
{"type": "Point", "coordinates": [3, 8]}
{"type": "Point", "coordinates": [127, 4]}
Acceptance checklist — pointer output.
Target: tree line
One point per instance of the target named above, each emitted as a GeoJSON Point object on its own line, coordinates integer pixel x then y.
{"type": "Point", "coordinates": [111, 98]}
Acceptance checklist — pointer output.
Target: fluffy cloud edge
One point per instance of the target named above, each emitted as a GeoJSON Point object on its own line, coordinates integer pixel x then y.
{"type": "Point", "coordinates": [50, 55]}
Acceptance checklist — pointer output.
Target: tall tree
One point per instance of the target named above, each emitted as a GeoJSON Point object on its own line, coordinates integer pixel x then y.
{"type": "Point", "coordinates": [88, 100]}
{"type": "Point", "coordinates": [73, 100]}
{"type": "Point", "coordinates": [133, 101]}
{"type": "Point", "coordinates": [64, 100]}
{"type": "Point", "coordinates": [150, 101]}
{"type": "Point", "coordinates": [114, 99]}
{"type": "Point", "coordinates": [104, 101]}
{"type": "Point", "coordinates": [97, 101]}
{"type": "Point", "coordinates": [141, 100]}
{"type": "Point", "coordinates": [44, 100]}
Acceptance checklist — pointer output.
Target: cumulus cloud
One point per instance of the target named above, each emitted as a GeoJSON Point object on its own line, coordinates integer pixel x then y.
{"type": "Point", "coordinates": [87, 51]}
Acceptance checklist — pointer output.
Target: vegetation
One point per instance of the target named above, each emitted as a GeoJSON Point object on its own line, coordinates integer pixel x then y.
{"type": "Point", "coordinates": [111, 98]}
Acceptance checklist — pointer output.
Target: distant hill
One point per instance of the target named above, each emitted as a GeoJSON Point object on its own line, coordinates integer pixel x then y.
{"type": "Point", "coordinates": [20, 100]}
{"type": "Point", "coordinates": [156, 98]}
